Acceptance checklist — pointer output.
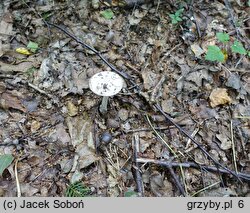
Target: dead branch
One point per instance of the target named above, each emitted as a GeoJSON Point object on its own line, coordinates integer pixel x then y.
{"type": "Point", "coordinates": [137, 172]}
{"type": "Point", "coordinates": [167, 164]}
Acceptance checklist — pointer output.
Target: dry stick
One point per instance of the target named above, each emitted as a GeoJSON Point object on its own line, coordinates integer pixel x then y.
{"type": "Point", "coordinates": [191, 165]}
{"type": "Point", "coordinates": [176, 180]}
{"type": "Point", "coordinates": [193, 140]}
{"type": "Point", "coordinates": [229, 8]}
{"type": "Point", "coordinates": [19, 194]}
{"type": "Point", "coordinates": [138, 176]}
{"type": "Point", "coordinates": [129, 78]}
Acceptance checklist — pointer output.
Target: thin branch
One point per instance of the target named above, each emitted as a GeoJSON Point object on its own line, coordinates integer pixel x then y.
{"type": "Point", "coordinates": [138, 176]}
{"type": "Point", "coordinates": [243, 176]}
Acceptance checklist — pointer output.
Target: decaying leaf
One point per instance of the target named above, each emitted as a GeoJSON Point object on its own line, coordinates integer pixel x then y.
{"type": "Point", "coordinates": [72, 109]}
{"type": "Point", "coordinates": [219, 96]}
{"type": "Point", "coordinates": [10, 100]}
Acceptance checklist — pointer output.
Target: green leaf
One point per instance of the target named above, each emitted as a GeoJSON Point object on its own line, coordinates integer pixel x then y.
{"type": "Point", "coordinates": [222, 37]}
{"type": "Point", "coordinates": [107, 14]}
{"type": "Point", "coordinates": [248, 3]}
{"type": "Point", "coordinates": [176, 17]}
{"type": "Point", "coordinates": [32, 46]}
{"type": "Point", "coordinates": [5, 161]}
{"type": "Point", "coordinates": [77, 190]}
{"type": "Point", "coordinates": [237, 47]}
{"type": "Point", "coordinates": [214, 53]}
{"type": "Point", "coordinates": [130, 194]}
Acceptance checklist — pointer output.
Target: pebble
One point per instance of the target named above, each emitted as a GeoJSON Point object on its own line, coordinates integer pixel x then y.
{"type": "Point", "coordinates": [106, 137]}
{"type": "Point", "coordinates": [123, 114]}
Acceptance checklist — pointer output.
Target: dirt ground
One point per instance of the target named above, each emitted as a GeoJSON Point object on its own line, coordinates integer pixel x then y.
{"type": "Point", "coordinates": [50, 121]}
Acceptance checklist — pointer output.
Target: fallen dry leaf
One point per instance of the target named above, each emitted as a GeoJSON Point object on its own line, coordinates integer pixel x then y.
{"type": "Point", "coordinates": [219, 96]}
{"type": "Point", "coordinates": [9, 100]}
{"type": "Point", "coordinates": [72, 109]}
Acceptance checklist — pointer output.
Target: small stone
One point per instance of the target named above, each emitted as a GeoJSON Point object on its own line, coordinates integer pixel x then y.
{"type": "Point", "coordinates": [123, 114]}
{"type": "Point", "coordinates": [106, 137]}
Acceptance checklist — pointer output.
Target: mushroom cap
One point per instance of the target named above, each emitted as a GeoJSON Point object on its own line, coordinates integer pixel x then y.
{"type": "Point", "coordinates": [106, 83]}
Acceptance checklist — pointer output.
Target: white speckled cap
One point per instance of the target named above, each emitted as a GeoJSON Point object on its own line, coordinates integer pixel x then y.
{"type": "Point", "coordinates": [106, 83]}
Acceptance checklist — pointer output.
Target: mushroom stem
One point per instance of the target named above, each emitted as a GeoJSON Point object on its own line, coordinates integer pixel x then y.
{"type": "Point", "coordinates": [104, 105]}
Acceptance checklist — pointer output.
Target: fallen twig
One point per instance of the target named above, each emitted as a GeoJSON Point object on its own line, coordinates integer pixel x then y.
{"type": "Point", "coordinates": [243, 176]}
{"type": "Point", "coordinates": [138, 176]}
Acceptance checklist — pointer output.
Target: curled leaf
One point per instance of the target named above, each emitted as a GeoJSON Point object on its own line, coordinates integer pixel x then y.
{"type": "Point", "coordinates": [23, 50]}
{"type": "Point", "coordinates": [219, 96]}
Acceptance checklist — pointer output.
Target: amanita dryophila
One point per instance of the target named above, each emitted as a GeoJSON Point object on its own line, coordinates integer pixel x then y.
{"type": "Point", "coordinates": [105, 84]}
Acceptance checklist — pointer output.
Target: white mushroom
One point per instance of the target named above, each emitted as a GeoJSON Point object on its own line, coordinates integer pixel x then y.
{"type": "Point", "coordinates": [105, 84]}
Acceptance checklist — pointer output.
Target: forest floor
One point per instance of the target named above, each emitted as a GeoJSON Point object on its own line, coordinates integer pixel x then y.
{"type": "Point", "coordinates": [175, 64]}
